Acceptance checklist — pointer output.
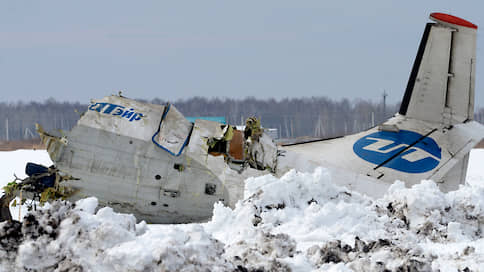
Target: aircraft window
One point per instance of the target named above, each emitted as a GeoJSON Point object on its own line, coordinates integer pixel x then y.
{"type": "Point", "coordinates": [210, 188]}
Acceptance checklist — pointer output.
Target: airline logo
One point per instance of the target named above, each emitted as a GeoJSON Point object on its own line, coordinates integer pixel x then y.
{"type": "Point", "coordinates": [116, 110]}
{"type": "Point", "coordinates": [398, 151]}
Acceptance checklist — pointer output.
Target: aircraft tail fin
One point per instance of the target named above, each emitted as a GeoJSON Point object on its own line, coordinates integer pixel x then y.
{"type": "Point", "coordinates": [441, 85]}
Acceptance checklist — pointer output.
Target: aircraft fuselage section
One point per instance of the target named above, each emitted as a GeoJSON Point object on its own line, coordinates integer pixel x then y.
{"type": "Point", "coordinates": [413, 150]}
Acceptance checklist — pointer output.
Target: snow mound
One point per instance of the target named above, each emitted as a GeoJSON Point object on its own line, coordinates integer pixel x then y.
{"type": "Point", "coordinates": [299, 222]}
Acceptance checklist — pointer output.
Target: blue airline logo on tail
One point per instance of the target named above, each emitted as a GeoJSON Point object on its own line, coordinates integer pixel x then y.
{"type": "Point", "coordinates": [380, 146]}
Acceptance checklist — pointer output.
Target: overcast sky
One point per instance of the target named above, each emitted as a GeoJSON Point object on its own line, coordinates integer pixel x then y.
{"type": "Point", "coordinates": [77, 50]}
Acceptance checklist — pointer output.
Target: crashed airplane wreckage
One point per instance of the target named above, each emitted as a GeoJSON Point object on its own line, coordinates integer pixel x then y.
{"type": "Point", "coordinates": [151, 161]}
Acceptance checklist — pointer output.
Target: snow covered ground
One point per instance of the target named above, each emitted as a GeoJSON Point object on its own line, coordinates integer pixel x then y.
{"type": "Point", "coordinates": [300, 222]}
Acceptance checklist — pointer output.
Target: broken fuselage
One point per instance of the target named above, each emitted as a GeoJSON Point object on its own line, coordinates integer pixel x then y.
{"type": "Point", "coordinates": [149, 160]}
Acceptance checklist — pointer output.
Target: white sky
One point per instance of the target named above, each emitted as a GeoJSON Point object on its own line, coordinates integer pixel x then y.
{"type": "Point", "coordinates": [77, 50]}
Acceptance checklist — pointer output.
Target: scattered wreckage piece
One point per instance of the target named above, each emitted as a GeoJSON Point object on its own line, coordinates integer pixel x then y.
{"type": "Point", "coordinates": [42, 184]}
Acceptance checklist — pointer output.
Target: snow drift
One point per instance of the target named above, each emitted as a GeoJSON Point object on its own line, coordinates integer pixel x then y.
{"type": "Point", "coordinates": [299, 222]}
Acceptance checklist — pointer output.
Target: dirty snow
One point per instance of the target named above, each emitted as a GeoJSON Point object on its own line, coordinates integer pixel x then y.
{"type": "Point", "coordinates": [299, 222]}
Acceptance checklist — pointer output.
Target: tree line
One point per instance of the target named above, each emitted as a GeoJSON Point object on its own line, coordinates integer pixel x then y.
{"type": "Point", "coordinates": [319, 117]}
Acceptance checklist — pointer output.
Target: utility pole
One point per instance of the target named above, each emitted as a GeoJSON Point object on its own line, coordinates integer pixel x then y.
{"type": "Point", "coordinates": [6, 128]}
{"type": "Point", "coordinates": [384, 103]}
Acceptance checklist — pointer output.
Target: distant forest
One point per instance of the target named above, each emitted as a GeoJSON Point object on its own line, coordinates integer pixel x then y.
{"type": "Point", "coordinates": [296, 117]}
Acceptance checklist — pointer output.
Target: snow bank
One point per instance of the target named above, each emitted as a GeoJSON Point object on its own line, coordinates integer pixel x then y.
{"type": "Point", "coordinates": [299, 222]}
{"type": "Point", "coordinates": [71, 237]}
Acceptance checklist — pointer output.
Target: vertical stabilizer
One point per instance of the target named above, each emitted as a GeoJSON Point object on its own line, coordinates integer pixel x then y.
{"type": "Point", "coordinates": [441, 84]}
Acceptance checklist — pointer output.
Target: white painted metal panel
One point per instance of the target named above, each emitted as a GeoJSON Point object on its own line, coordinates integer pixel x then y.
{"type": "Point", "coordinates": [123, 116]}
{"type": "Point", "coordinates": [174, 131]}
{"type": "Point", "coordinates": [460, 95]}
{"type": "Point", "coordinates": [428, 98]}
